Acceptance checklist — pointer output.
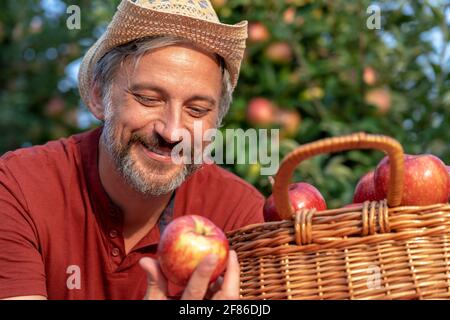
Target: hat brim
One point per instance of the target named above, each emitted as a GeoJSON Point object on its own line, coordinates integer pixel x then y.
{"type": "Point", "coordinates": [132, 22]}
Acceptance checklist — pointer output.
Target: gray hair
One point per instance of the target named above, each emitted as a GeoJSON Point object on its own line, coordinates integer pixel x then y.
{"type": "Point", "coordinates": [106, 67]}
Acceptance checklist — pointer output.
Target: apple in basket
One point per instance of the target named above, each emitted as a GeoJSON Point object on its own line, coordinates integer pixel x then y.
{"type": "Point", "coordinates": [365, 189]}
{"type": "Point", "coordinates": [426, 180]}
{"type": "Point", "coordinates": [301, 195]}
{"type": "Point", "coordinates": [185, 242]}
{"type": "Point", "coordinates": [352, 205]}
{"type": "Point", "coordinates": [448, 170]}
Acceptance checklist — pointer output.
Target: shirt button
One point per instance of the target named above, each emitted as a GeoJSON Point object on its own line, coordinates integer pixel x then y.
{"type": "Point", "coordinates": [115, 252]}
{"type": "Point", "coordinates": [113, 233]}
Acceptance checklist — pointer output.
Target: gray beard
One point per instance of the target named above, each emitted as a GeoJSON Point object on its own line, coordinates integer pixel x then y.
{"type": "Point", "coordinates": [130, 171]}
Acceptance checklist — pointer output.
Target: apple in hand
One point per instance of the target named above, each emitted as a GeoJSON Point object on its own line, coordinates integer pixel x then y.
{"type": "Point", "coordinates": [426, 180]}
{"type": "Point", "coordinates": [185, 242]}
{"type": "Point", "coordinates": [301, 195]}
{"type": "Point", "coordinates": [365, 189]}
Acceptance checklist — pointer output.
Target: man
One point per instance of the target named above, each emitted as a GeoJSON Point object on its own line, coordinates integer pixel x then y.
{"type": "Point", "coordinates": [81, 217]}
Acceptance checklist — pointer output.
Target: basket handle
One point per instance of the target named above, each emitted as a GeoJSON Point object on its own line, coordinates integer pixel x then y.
{"type": "Point", "coordinates": [358, 140]}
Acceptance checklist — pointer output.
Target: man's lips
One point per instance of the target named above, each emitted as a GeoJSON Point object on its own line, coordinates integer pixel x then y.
{"type": "Point", "coordinates": [157, 154]}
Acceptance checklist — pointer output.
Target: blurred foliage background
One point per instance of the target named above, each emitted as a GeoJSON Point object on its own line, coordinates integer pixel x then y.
{"type": "Point", "coordinates": [312, 68]}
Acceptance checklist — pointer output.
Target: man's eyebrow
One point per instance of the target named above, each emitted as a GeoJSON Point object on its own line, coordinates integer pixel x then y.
{"type": "Point", "coordinates": [209, 99]}
{"type": "Point", "coordinates": [145, 86]}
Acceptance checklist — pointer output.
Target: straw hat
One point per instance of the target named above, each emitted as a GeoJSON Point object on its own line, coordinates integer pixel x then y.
{"type": "Point", "coordinates": [194, 20]}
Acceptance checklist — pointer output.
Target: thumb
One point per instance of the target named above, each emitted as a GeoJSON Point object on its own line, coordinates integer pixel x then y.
{"type": "Point", "coordinates": [156, 283]}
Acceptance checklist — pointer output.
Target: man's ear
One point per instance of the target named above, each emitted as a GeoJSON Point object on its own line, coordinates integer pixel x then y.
{"type": "Point", "coordinates": [96, 103]}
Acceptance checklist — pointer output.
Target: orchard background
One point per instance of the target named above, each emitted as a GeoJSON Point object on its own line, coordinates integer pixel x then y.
{"type": "Point", "coordinates": [316, 65]}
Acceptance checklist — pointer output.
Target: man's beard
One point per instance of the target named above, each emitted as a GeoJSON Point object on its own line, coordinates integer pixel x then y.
{"type": "Point", "coordinates": [146, 182]}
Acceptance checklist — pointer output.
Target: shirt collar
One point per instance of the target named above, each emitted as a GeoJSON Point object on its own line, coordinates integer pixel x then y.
{"type": "Point", "coordinates": [103, 207]}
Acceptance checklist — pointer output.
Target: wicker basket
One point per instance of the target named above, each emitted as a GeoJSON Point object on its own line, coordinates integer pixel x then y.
{"type": "Point", "coordinates": [377, 250]}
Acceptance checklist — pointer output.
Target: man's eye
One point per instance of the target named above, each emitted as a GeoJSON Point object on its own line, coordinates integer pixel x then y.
{"type": "Point", "coordinates": [147, 100]}
{"type": "Point", "coordinates": [197, 112]}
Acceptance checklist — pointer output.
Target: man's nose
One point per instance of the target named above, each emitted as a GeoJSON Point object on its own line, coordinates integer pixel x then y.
{"type": "Point", "coordinates": [170, 126]}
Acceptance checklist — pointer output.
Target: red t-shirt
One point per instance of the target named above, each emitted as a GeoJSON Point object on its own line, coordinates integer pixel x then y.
{"type": "Point", "coordinates": [60, 235]}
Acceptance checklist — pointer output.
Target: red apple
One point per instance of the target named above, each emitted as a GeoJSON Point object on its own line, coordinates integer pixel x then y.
{"type": "Point", "coordinates": [260, 111]}
{"type": "Point", "coordinates": [185, 242]}
{"type": "Point", "coordinates": [365, 189]}
{"type": "Point", "coordinates": [289, 121]}
{"type": "Point", "coordinates": [257, 32]}
{"type": "Point", "coordinates": [426, 180]}
{"type": "Point", "coordinates": [352, 205]}
{"type": "Point", "coordinates": [369, 76]}
{"type": "Point", "coordinates": [279, 52]}
{"type": "Point", "coordinates": [301, 195]}
{"type": "Point", "coordinates": [289, 15]}
{"type": "Point", "coordinates": [448, 170]}
{"type": "Point", "coordinates": [380, 98]}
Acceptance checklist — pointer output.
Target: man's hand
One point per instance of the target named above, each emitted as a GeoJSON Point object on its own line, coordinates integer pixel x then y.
{"type": "Point", "coordinates": [226, 288]}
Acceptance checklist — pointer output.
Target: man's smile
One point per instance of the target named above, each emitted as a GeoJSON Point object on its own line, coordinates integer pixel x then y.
{"type": "Point", "coordinates": [157, 153]}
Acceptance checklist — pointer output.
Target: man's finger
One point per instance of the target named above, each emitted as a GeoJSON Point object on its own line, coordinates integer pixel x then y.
{"type": "Point", "coordinates": [200, 278]}
{"type": "Point", "coordinates": [231, 281]}
{"type": "Point", "coordinates": [214, 287]}
{"type": "Point", "coordinates": [156, 283]}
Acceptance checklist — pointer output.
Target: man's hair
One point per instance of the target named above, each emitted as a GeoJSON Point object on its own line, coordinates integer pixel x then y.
{"type": "Point", "coordinates": [105, 69]}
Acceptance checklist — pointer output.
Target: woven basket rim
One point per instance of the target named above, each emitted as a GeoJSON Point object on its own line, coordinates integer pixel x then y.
{"type": "Point", "coordinates": [338, 228]}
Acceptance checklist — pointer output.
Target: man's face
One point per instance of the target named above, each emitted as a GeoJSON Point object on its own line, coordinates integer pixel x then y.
{"type": "Point", "coordinates": [170, 89]}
